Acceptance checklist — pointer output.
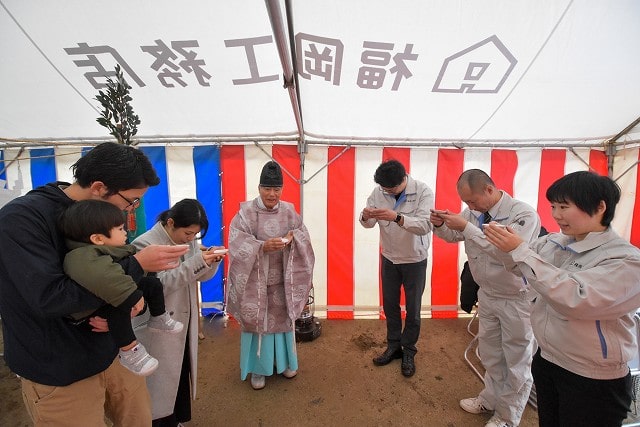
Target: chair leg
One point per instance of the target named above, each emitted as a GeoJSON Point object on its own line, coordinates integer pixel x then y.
{"type": "Point", "coordinates": [475, 316]}
{"type": "Point", "coordinates": [470, 348]}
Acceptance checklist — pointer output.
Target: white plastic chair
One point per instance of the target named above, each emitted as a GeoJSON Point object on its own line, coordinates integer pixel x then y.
{"type": "Point", "coordinates": [472, 348]}
{"type": "Point", "coordinates": [472, 352]}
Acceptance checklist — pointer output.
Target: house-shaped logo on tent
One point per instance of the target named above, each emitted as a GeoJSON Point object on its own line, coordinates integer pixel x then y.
{"type": "Point", "coordinates": [481, 68]}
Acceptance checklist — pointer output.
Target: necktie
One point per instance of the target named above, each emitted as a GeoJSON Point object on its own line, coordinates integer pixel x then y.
{"type": "Point", "coordinates": [486, 218]}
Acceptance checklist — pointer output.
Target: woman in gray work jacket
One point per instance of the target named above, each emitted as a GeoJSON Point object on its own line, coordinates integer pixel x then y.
{"type": "Point", "coordinates": [588, 280]}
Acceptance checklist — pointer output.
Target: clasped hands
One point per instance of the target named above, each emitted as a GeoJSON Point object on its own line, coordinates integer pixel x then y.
{"type": "Point", "coordinates": [379, 214]}
{"type": "Point", "coordinates": [452, 220]}
{"type": "Point", "coordinates": [503, 238]}
{"type": "Point", "coordinates": [209, 256]}
{"type": "Point", "coordinates": [277, 243]}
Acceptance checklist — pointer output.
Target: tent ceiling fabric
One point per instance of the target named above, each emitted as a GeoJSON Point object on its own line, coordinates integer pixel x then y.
{"type": "Point", "coordinates": [522, 72]}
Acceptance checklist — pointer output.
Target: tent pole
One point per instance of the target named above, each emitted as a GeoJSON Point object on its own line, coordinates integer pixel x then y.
{"type": "Point", "coordinates": [624, 131]}
{"type": "Point", "coordinates": [610, 150]}
{"type": "Point", "coordinates": [302, 142]}
{"type": "Point", "coordinates": [610, 145]}
{"type": "Point", "coordinates": [277, 25]}
{"type": "Point", "coordinates": [289, 74]}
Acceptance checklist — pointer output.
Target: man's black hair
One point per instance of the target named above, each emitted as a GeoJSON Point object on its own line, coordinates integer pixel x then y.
{"type": "Point", "coordinates": [119, 167]}
{"type": "Point", "coordinates": [390, 174]}
{"type": "Point", "coordinates": [586, 190]}
{"type": "Point", "coordinates": [86, 217]}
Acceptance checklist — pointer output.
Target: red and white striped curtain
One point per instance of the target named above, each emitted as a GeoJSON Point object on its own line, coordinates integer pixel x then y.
{"type": "Point", "coordinates": [338, 181]}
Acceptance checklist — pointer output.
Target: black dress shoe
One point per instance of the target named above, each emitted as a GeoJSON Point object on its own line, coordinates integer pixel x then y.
{"type": "Point", "coordinates": [386, 357]}
{"type": "Point", "coordinates": [408, 366]}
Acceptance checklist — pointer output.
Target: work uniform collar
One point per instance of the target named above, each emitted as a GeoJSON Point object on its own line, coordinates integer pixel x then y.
{"type": "Point", "coordinates": [593, 240]}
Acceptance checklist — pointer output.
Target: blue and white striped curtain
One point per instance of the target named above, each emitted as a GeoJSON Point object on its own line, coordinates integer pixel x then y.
{"type": "Point", "coordinates": [189, 172]}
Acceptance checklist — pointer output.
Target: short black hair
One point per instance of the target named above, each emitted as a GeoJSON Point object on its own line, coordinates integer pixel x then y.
{"type": "Point", "coordinates": [390, 174]}
{"type": "Point", "coordinates": [586, 190]}
{"type": "Point", "coordinates": [118, 166]}
{"type": "Point", "coordinates": [185, 213]}
{"type": "Point", "coordinates": [86, 217]}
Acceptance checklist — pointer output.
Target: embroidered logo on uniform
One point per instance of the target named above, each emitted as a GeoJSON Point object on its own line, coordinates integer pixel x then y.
{"type": "Point", "coordinates": [575, 264]}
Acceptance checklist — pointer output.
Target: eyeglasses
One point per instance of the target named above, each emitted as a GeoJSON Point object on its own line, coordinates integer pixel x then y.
{"type": "Point", "coordinates": [392, 190]}
{"type": "Point", "coordinates": [135, 202]}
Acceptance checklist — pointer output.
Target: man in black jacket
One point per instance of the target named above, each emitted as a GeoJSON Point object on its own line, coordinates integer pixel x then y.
{"type": "Point", "coordinates": [72, 365]}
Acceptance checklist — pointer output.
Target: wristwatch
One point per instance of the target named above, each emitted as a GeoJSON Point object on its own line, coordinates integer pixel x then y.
{"type": "Point", "coordinates": [398, 218]}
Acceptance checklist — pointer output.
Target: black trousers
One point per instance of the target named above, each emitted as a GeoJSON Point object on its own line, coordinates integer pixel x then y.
{"type": "Point", "coordinates": [120, 320]}
{"type": "Point", "coordinates": [566, 399]}
{"type": "Point", "coordinates": [412, 277]}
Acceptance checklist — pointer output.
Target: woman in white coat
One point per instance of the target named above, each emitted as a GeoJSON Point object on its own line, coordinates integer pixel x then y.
{"type": "Point", "coordinates": [173, 384]}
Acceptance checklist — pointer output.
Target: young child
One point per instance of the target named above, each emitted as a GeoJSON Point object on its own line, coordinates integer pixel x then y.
{"type": "Point", "coordinates": [96, 238]}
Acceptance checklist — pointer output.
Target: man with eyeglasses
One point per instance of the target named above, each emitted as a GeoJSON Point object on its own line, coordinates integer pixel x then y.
{"type": "Point", "coordinates": [69, 373]}
{"type": "Point", "coordinates": [400, 205]}
{"type": "Point", "coordinates": [135, 203]}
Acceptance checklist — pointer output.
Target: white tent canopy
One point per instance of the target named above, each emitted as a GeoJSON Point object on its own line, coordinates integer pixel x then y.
{"type": "Point", "coordinates": [408, 72]}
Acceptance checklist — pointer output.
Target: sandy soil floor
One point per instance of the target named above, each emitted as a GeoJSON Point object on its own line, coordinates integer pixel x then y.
{"type": "Point", "coordinates": [337, 383]}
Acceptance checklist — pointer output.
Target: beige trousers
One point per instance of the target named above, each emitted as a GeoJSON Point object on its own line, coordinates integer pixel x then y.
{"type": "Point", "coordinates": [114, 393]}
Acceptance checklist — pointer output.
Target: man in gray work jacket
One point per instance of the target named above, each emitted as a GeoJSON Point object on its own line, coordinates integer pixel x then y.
{"type": "Point", "coordinates": [400, 206]}
{"type": "Point", "coordinates": [505, 338]}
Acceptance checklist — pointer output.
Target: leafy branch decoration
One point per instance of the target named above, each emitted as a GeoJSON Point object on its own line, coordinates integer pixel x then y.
{"type": "Point", "coordinates": [118, 115]}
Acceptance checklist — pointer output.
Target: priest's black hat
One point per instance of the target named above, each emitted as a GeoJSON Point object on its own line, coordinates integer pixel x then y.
{"type": "Point", "coordinates": [271, 175]}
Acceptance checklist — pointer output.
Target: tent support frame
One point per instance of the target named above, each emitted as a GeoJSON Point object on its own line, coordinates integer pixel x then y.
{"type": "Point", "coordinates": [611, 148]}
{"type": "Point", "coordinates": [290, 74]}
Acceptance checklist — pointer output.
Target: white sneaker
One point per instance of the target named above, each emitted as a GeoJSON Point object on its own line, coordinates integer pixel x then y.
{"type": "Point", "coordinates": [289, 373]}
{"type": "Point", "coordinates": [473, 405]}
{"type": "Point", "coordinates": [138, 361]}
{"type": "Point", "coordinates": [164, 323]}
{"type": "Point", "coordinates": [496, 421]}
{"type": "Point", "coordinates": [257, 381]}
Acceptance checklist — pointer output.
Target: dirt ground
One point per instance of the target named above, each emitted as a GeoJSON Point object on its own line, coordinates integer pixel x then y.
{"type": "Point", "coordinates": [337, 384]}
